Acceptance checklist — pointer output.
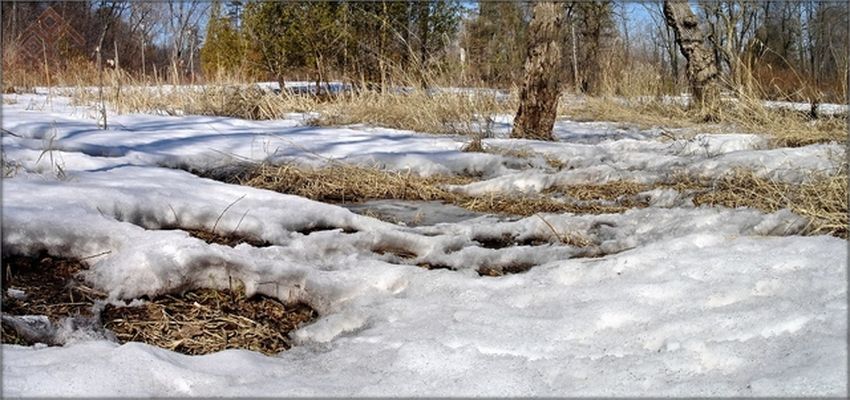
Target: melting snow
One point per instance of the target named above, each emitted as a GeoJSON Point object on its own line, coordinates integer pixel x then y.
{"type": "Point", "coordinates": [681, 301]}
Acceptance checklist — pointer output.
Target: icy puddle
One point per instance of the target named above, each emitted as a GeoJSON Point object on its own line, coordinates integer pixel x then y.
{"type": "Point", "coordinates": [413, 213]}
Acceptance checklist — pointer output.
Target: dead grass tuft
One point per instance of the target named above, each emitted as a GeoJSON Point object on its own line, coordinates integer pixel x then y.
{"type": "Point", "coordinates": [787, 128]}
{"type": "Point", "coordinates": [345, 183]}
{"type": "Point", "coordinates": [823, 198]}
{"type": "Point", "coordinates": [8, 335]}
{"type": "Point", "coordinates": [350, 183]}
{"type": "Point", "coordinates": [645, 113]}
{"type": "Point", "coordinates": [208, 320]}
{"type": "Point", "coordinates": [474, 146]}
{"type": "Point", "coordinates": [413, 109]}
{"type": "Point", "coordinates": [416, 110]}
{"type": "Point", "coordinates": [530, 205]}
{"type": "Point", "coordinates": [512, 268]}
{"type": "Point", "coordinates": [605, 191]}
{"type": "Point", "coordinates": [231, 239]}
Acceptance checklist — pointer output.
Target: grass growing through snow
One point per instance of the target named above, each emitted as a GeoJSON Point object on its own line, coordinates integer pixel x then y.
{"type": "Point", "coordinates": [343, 183]}
{"type": "Point", "coordinates": [787, 128]}
{"type": "Point", "coordinates": [414, 109]}
{"type": "Point", "coordinates": [350, 183]}
{"type": "Point", "coordinates": [822, 198]}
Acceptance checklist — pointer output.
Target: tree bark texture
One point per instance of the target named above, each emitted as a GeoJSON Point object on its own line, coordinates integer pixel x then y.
{"type": "Point", "coordinates": [541, 83]}
{"type": "Point", "coordinates": [701, 69]}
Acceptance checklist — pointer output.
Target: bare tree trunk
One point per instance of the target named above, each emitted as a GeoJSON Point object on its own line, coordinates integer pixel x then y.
{"type": "Point", "coordinates": [99, 52]}
{"type": "Point", "coordinates": [701, 69]}
{"type": "Point", "coordinates": [541, 84]}
{"type": "Point", "coordinates": [143, 58]}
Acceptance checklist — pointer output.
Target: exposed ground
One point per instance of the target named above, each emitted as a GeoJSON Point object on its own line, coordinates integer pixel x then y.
{"type": "Point", "coordinates": [653, 259]}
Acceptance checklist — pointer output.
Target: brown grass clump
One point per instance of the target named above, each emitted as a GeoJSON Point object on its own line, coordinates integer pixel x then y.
{"type": "Point", "coordinates": [607, 191]}
{"type": "Point", "coordinates": [530, 205]}
{"type": "Point", "coordinates": [512, 268]}
{"type": "Point", "coordinates": [823, 198]}
{"type": "Point", "coordinates": [474, 146]}
{"type": "Point", "coordinates": [350, 183]}
{"type": "Point", "coordinates": [343, 183]}
{"type": "Point", "coordinates": [788, 128]}
{"type": "Point", "coordinates": [231, 240]}
{"type": "Point", "coordinates": [415, 109]}
{"type": "Point", "coordinates": [8, 335]}
{"type": "Point", "coordinates": [207, 320]}
{"type": "Point", "coordinates": [645, 114]}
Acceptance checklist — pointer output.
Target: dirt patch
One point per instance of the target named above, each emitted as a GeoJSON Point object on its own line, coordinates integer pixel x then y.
{"type": "Point", "coordinates": [231, 240]}
{"type": "Point", "coordinates": [43, 285]}
{"type": "Point", "coordinates": [512, 268]}
{"type": "Point", "coordinates": [208, 320]}
{"type": "Point", "coordinates": [323, 228]}
{"type": "Point", "coordinates": [397, 251]}
{"type": "Point", "coordinates": [507, 240]}
{"type": "Point", "coordinates": [8, 335]}
{"type": "Point", "coordinates": [51, 286]}
{"type": "Point", "coordinates": [430, 266]}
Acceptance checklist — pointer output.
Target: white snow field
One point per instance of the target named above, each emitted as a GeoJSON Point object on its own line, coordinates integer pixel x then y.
{"type": "Point", "coordinates": [678, 300]}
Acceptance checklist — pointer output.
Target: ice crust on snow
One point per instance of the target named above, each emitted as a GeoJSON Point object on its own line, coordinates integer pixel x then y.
{"type": "Point", "coordinates": [676, 299]}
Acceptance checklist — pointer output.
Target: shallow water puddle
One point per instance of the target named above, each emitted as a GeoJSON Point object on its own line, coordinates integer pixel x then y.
{"type": "Point", "coordinates": [412, 213]}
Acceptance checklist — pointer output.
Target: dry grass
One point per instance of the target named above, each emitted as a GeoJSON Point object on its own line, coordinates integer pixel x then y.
{"type": "Point", "coordinates": [350, 183]}
{"type": "Point", "coordinates": [605, 191]}
{"type": "Point", "coordinates": [225, 239]}
{"type": "Point", "coordinates": [511, 268]}
{"type": "Point", "coordinates": [787, 128]}
{"type": "Point", "coordinates": [476, 146]}
{"type": "Point", "coordinates": [451, 113]}
{"type": "Point", "coordinates": [645, 113]}
{"type": "Point", "coordinates": [530, 205]}
{"type": "Point", "coordinates": [198, 322]}
{"type": "Point", "coordinates": [344, 183]}
{"type": "Point", "coordinates": [414, 109]}
{"type": "Point", "coordinates": [744, 110]}
{"type": "Point", "coordinates": [208, 320]}
{"type": "Point", "coordinates": [823, 198]}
